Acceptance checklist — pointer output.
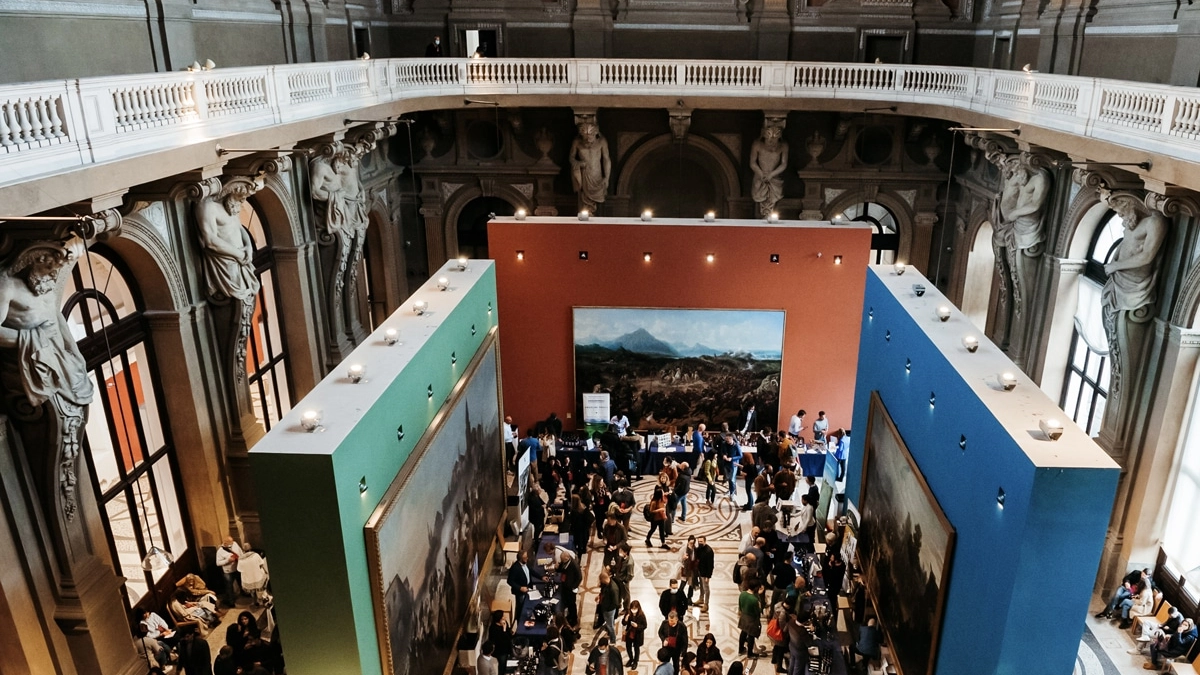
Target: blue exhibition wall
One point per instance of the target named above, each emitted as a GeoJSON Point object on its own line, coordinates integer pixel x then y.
{"type": "Point", "coordinates": [1022, 573]}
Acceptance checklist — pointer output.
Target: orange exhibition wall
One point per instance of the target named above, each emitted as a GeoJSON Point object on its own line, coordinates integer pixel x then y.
{"type": "Point", "coordinates": [823, 300]}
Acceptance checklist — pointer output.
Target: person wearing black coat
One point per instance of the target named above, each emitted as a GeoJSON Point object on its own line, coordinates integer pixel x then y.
{"type": "Point", "coordinates": [500, 636]}
{"type": "Point", "coordinates": [195, 658]}
{"type": "Point", "coordinates": [704, 568]}
{"type": "Point", "coordinates": [673, 600]}
{"type": "Point", "coordinates": [537, 512]}
{"type": "Point", "coordinates": [674, 635]}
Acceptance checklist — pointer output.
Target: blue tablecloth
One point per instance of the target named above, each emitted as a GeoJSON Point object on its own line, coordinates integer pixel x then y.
{"type": "Point", "coordinates": [649, 461]}
{"type": "Point", "coordinates": [812, 463]}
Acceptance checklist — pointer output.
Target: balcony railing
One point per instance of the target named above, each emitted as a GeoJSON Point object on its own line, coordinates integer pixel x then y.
{"type": "Point", "coordinates": [49, 128]}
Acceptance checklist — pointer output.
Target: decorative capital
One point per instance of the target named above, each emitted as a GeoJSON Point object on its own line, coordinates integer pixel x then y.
{"type": "Point", "coordinates": [681, 121]}
{"type": "Point", "coordinates": [1173, 205]}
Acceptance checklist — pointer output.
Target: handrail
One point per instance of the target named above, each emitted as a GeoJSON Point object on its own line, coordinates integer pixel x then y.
{"type": "Point", "coordinates": [49, 128]}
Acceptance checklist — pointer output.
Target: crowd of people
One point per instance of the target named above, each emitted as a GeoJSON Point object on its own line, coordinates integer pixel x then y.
{"type": "Point", "coordinates": [196, 611]}
{"type": "Point", "coordinates": [1134, 599]}
{"type": "Point", "coordinates": [600, 508]}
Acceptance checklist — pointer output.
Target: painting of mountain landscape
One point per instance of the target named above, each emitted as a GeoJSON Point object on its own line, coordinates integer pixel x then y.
{"type": "Point", "coordinates": [674, 367]}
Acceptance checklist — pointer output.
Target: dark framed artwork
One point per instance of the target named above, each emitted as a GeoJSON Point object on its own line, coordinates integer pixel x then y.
{"type": "Point", "coordinates": [905, 545]}
{"type": "Point", "coordinates": [673, 367]}
{"type": "Point", "coordinates": [436, 523]}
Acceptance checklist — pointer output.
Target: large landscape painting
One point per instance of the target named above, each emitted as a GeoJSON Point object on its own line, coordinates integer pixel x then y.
{"type": "Point", "coordinates": [905, 545]}
{"type": "Point", "coordinates": [436, 523]}
{"type": "Point", "coordinates": [665, 367]}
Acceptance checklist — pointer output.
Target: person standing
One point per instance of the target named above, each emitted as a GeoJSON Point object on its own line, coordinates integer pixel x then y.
{"type": "Point", "coordinates": [674, 636]}
{"type": "Point", "coordinates": [841, 444]}
{"type": "Point", "coordinates": [673, 601]}
{"type": "Point", "coordinates": [820, 427]}
{"type": "Point", "coordinates": [665, 667]}
{"type": "Point", "coordinates": [705, 563]}
{"type": "Point", "coordinates": [228, 555]}
{"type": "Point", "coordinates": [796, 424]}
{"type": "Point", "coordinates": [520, 580]}
{"type": "Point", "coordinates": [195, 658]}
{"type": "Point", "coordinates": [683, 485]}
{"type": "Point", "coordinates": [708, 471]}
{"type": "Point", "coordinates": [487, 664]}
{"type": "Point", "coordinates": [749, 420]}
{"type": "Point", "coordinates": [635, 623]}
{"type": "Point", "coordinates": [434, 49]}
{"type": "Point", "coordinates": [749, 619]}
{"type": "Point", "coordinates": [510, 442]}
{"type": "Point", "coordinates": [657, 512]}
{"type": "Point", "coordinates": [604, 659]}
{"type": "Point", "coordinates": [554, 653]}
{"type": "Point", "coordinates": [608, 602]}
{"type": "Point", "coordinates": [731, 453]}
{"type": "Point", "coordinates": [622, 574]}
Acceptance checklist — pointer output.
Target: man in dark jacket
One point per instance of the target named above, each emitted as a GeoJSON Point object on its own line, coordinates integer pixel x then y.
{"type": "Point", "coordinates": [704, 568]}
{"type": "Point", "coordinates": [194, 656]}
{"type": "Point", "coordinates": [673, 600]}
{"type": "Point", "coordinates": [683, 485]}
{"type": "Point", "coordinates": [674, 635]}
{"type": "Point", "coordinates": [604, 659]}
{"type": "Point", "coordinates": [520, 580]}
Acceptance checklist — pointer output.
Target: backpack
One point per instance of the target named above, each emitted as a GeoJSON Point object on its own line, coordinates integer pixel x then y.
{"type": "Point", "coordinates": [560, 661]}
{"type": "Point", "coordinates": [737, 573]}
{"type": "Point", "coordinates": [646, 513]}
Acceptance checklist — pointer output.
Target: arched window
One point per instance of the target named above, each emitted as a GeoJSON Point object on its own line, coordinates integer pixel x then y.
{"type": "Point", "coordinates": [1085, 390]}
{"type": "Point", "coordinates": [266, 354]}
{"type": "Point", "coordinates": [885, 233]}
{"type": "Point", "coordinates": [1181, 540]}
{"type": "Point", "coordinates": [127, 441]}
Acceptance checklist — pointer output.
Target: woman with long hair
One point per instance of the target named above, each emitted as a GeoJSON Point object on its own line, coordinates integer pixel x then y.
{"type": "Point", "coordinates": [635, 623]}
{"type": "Point", "coordinates": [658, 518]}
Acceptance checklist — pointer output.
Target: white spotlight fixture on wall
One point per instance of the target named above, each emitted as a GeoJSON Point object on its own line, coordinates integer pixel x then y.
{"type": "Point", "coordinates": [419, 307]}
{"type": "Point", "coordinates": [391, 336]}
{"type": "Point", "coordinates": [943, 313]}
{"type": "Point", "coordinates": [773, 217]}
{"type": "Point", "coordinates": [584, 215]}
{"type": "Point", "coordinates": [710, 257]}
{"type": "Point", "coordinates": [1007, 380]}
{"type": "Point", "coordinates": [647, 215]}
{"type": "Point", "coordinates": [462, 263]}
{"type": "Point", "coordinates": [443, 283]}
{"type": "Point", "coordinates": [310, 420]}
{"type": "Point", "coordinates": [900, 268]}
{"type": "Point", "coordinates": [1051, 427]}
{"type": "Point", "coordinates": [918, 290]}
{"type": "Point", "coordinates": [710, 216]}
{"type": "Point", "coordinates": [971, 343]}
{"type": "Point", "coordinates": [520, 214]}
{"type": "Point", "coordinates": [356, 372]}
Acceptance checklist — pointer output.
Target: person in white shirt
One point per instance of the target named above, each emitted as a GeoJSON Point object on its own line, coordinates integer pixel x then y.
{"type": "Point", "coordinates": [622, 422]}
{"type": "Point", "coordinates": [156, 627]}
{"type": "Point", "coordinates": [807, 519]}
{"type": "Point", "coordinates": [228, 555]}
{"type": "Point", "coordinates": [796, 424]}
{"type": "Point", "coordinates": [487, 664]}
{"type": "Point", "coordinates": [510, 440]}
{"type": "Point", "coordinates": [252, 568]}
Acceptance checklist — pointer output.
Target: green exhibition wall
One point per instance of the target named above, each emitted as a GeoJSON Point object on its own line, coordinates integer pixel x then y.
{"type": "Point", "coordinates": [312, 511]}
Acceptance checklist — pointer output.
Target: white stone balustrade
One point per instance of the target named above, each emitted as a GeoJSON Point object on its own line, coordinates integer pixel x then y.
{"type": "Point", "coordinates": [51, 128]}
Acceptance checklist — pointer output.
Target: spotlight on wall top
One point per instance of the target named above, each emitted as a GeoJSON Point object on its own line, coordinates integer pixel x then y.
{"type": "Point", "coordinates": [391, 336]}
{"type": "Point", "coordinates": [520, 255]}
{"type": "Point", "coordinates": [647, 215]}
{"type": "Point", "coordinates": [1051, 427]}
{"type": "Point", "coordinates": [357, 372]}
{"type": "Point", "coordinates": [943, 313]}
{"type": "Point", "coordinates": [583, 255]}
{"type": "Point", "coordinates": [443, 284]}
{"type": "Point", "coordinates": [837, 260]}
{"type": "Point", "coordinates": [419, 307]}
{"type": "Point", "coordinates": [520, 214]}
{"type": "Point", "coordinates": [710, 257]}
{"type": "Point", "coordinates": [774, 258]}
{"type": "Point", "coordinates": [900, 268]}
{"type": "Point", "coordinates": [1000, 497]}
{"type": "Point", "coordinates": [1007, 380]}
{"type": "Point", "coordinates": [773, 217]}
{"type": "Point", "coordinates": [710, 216]}
{"type": "Point", "coordinates": [647, 256]}
{"type": "Point", "coordinates": [310, 420]}
{"type": "Point", "coordinates": [584, 215]}
{"type": "Point", "coordinates": [971, 343]}
{"type": "Point", "coordinates": [362, 485]}
{"type": "Point", "coordinates": [462, 263]}
{"type": "Point", "coordinates": [918, 290]}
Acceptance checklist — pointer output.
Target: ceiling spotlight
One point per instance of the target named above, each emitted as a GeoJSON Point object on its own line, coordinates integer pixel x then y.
{"type": "Point", "coordinates": [520, 214]}
{"type": "Point", "coordinates": [646, 256]}
{"type": "Point", "coordinates": [419, 307]}
{"type": "Point", "coordinates": [583, 255]}
{"type": "Point", "coordinates": [1007, 380]}
{"type": "Point", "coordinates": [462, 263]}
{"type": "Point", "coordinates": [391, 336]}
{"type": "Point", "coordinates": [647, 215]}
{"type": "Point", "coordinates": [310, 420]}
{"type": "Point", "coordinates": [971, 343]}
{"type": "Point", "coordinates": [443, 283]}
{"type": "Point", "coordinates": [584, 215]}
{"type": "Point", "coordinates": [710, 216]}
{"type": "Point", "coordinates": [900, 268]}
{"type": "Point", "coordinates": [520, 255]}
{"type": "Point", "coordinates": [943, 313]}
{"type": "Point", "coordinates": [356, 372]}
{"type": "Point", "coordinates": [918, 290]}
{"type": "Point", "coordinates": [710, 257]}
{"type": "Point", "coordinates": [837, 260]}
{"type": "Point", "coordinates": [1051, 427]}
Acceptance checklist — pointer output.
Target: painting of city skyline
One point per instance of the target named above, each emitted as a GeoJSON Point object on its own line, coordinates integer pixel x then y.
{"type": "Point", "coordinates": [905, 545]}
{"type": "Point", "coordinates": [674, 367]}
{"type": "Point", "coordinates": [435, 523]}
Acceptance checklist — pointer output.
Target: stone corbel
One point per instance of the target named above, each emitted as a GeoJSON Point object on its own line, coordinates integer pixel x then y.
{"type": "Point", "coordinates": [680, 121]}
{"type": "Point", "coordinates": [775, 118]}
{"type": "Point", "coordinates": [994, 151]}
{"type": "Point", "coordinates": [1173, 202]}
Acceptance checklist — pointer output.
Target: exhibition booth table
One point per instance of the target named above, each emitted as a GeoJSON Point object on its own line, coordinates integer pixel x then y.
{"type": "Point", "coordinates": [650, 461]}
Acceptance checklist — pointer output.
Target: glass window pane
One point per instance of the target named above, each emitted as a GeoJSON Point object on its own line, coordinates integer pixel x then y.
{"type": "Point", "coordinates": [121, 413]}
{"type": "Point", "coordinates": [172, 515]}
{"type": "Point", "coordinates": [274, 334]}
{"type": "Point", "coordinates": [1079, 354]}
{"type": "Point", "coordinates": [146, 399]}
{"type": "Point", "coordinates": [1092, 371]}
{"type": "Point", "coordinates": [104, 277]}
{"type": "Point", "coordinates": [281, 386]}
{"type": "Point", "coordinates": [147, 510]}
{"type": "Point", "coordinates": [1071, 398]}
{"type": "Point", "coordinates": [100, 443]}
{"type": "Point", "coordinates": [1097, 416]}
{"type": "Point", "coordinates": [1105, 375]}
{"type": "Point", "coordinates": [129, 557]}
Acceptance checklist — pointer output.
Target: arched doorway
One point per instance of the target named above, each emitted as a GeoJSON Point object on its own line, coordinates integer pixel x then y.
{"type": "Point", "coordinates": [673, 185]}
{"type": "Point", "coordinates": [472, 224]}
{"type": "Point", "coordinates": [980, 277]}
